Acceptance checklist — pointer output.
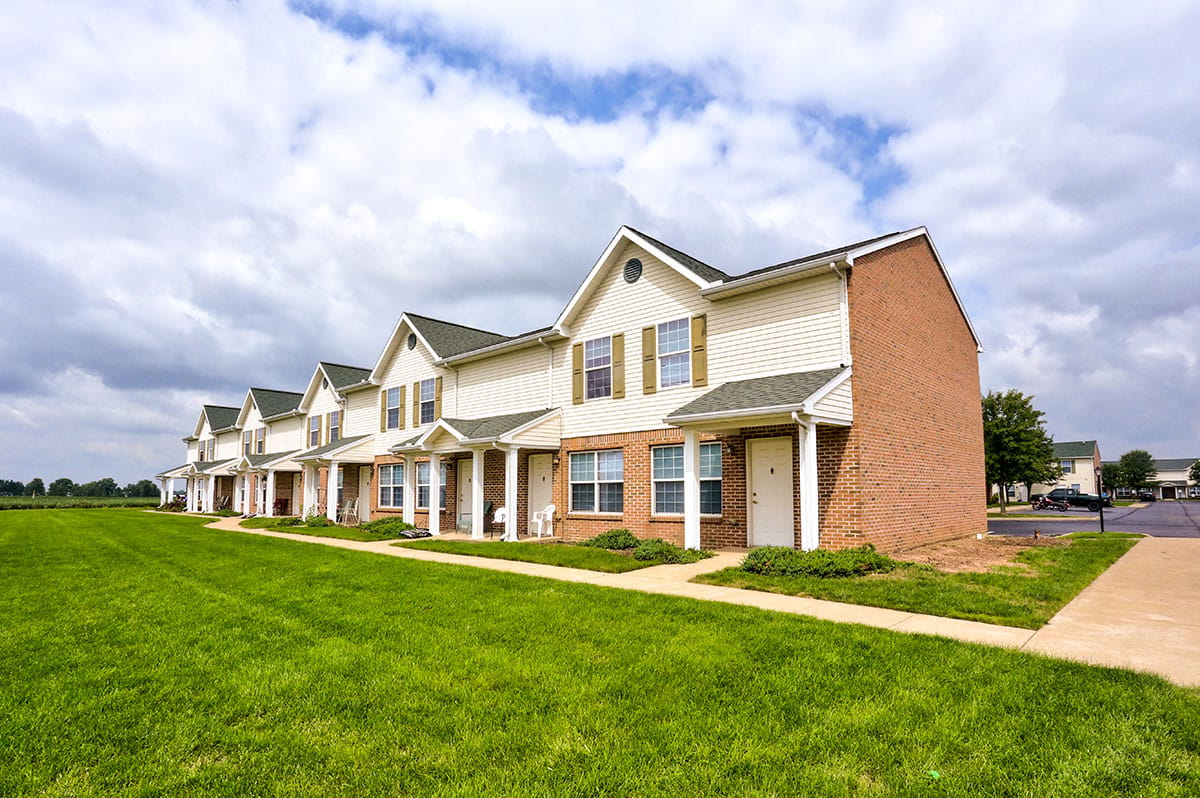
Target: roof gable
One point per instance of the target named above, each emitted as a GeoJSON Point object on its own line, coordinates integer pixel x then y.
{"type": "Point", "coordinates": [272, 403]}
{"type": "Point", "coordinates": [442, 339]}
{"type": "Point", "coordinates": [218, 418]}
{"type": "Point", "coordinates": [339, 378]}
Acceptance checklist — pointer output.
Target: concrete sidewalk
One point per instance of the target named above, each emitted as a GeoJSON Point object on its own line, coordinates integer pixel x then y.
{"type": "Point", "coordinates": [1140, 614]}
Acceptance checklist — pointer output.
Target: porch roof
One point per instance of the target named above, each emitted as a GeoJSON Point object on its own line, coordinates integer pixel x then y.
{"type": "Point", "coordinates": [328, 450]}
{"type": "Point", "coordinates": [256, 462]}
{"type": "Point", "coordinates": [506, 428]}
{"type": "Point", "coordinates": [760, 396]}
{"type": "Point", "coordinates": [177, 471]}
{"type": "Point", "coordinates": [212, 466]}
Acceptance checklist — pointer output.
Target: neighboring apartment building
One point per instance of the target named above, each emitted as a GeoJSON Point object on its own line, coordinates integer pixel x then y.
{"type": "Point", "coordinates": [802, 404]}
{"type": "Point", "coordinates": [1079, 461]}
{"type": "Point", "coordinates": [1174, 479]}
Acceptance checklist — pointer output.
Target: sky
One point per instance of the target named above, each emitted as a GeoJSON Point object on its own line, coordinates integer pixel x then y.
{"type": "Point", "coordinates": [197, 197]}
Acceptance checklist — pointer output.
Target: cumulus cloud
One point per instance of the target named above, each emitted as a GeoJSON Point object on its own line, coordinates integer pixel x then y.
{"type": "Point", "coordinates": [195, 197]}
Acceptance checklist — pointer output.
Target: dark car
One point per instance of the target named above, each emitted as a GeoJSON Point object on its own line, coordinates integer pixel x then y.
{"type": "Point", "coordinates": [1146, 496]}
{"type": "Point", "coordinates": [1075, 499]}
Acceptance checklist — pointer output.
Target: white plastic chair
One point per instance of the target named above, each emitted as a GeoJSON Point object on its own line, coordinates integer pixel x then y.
{"type": "Point", "coordinates": [543, 520]}
{"type": "Point", "coordinates": [348, 511]}
{"type": "Point", "coordinates": [501, 518]}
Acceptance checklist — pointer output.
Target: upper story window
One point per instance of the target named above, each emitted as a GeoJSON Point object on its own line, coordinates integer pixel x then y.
{"type": "Point", "coordinates": [428, 405]}
{"type": "Point", "coordinates": [260, 440]}
{"type": "Point", "coordinates": [212, 448]}
{"type": "Point", "coordinates": [597, 367]}
{"type": "Point", "coordinates": [674, 353]}
{"type": "Point", "coordinates": [314, 431]}
{"type": "Point", "coordinates": [1068, 466]}
{"type": "Point", "coordinates": [202, 451]}
{"type": "Point", "coordinates": [335, 426]}
{"type": "Point", "coordinates": [392, 408]}
{"type": "Point", "coordinates": [598, 481]}
{"type": "Point", "coordinates": [247, 439]}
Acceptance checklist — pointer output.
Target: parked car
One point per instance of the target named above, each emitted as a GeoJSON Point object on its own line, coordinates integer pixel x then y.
{"type": "Point", "coordinates": [1088, 500]}
{"type": "Point", "coordinates": [1146, 496]}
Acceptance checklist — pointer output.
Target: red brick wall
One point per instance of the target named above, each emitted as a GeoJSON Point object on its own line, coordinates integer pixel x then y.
{"type": "Point", "coordinates": [912, 463]}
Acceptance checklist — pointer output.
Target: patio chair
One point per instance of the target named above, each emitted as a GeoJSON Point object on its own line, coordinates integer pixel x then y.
{"type": "Point", "coordinates": [348, 512]}
{"type": "Point", "coordinates": [222, 503]}
{"type": "Point", "coordinates": [501, 519]}
{"type": "Point", "coordinates": [543, 521]}
{"type": "Point", "coordinates": [280, 507]}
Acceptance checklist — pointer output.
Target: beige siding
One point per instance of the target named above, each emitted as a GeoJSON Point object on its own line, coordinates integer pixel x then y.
{"type": "Point", "coordinates": [285, 435]}
{"type": "Point", "coordinates": [405, 367]}
{"type": "Point", "coordinates": [193, 451]}
{"type": "Point", "coordinates": [229, 445]}
{"type": "Point", "coordinates": [507, 383]}
{"type": "Point", "coordinates": [837, 404]}
{"type": "Point", "coordinates": [547, 434]}
{"type": "Point", "coordinates": [362, 413]}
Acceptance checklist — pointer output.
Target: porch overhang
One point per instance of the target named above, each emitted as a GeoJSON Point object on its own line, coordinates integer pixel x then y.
{"type": "Point", "coordinates": [763, 401]}
{"type": "Point", "coordinates": [534, 429]}
{"type": "Point", "coordinates": [217, 468]}
{"type": "Point", "coordinates": [178, 472]}
{"type": "Point", "coordinates": [355, 449]}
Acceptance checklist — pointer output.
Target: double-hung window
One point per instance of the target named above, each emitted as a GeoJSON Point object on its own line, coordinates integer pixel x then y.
{"type": "Point", "coordinates": [260, 441]}
{"type": "Point", "coordinates": [212, 449]}
{"type": "Point", "coordinates": [423, 486]}
{"type": "Point", "coordinates": [314, 431]}
{"type": "Point", "coordinates": [428, 395]}
{"type": "Point", "coordinates": [1068, 466]}
{"type": "Point", "coordinates": [393, 408]}
{"type": "Point", "coordinates": [598, 481]}
{"type": "Point", "coordinates": [597, 367]}
{"type": "Point", "coordinates": [674, 353]}
{"type": "Point", "coordinates": [335, 426]}
{"type": "Point", "coordinates": [202, 451]}
{"type": "Point", "coordinates": [391, 485]}
{"type": "Point", "coordinates": [247, 437]}
{"type": "Point", "coordinates": [666, 474]}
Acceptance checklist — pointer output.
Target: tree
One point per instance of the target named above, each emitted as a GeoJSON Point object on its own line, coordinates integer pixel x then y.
{"type": "Point", "coordinates": [11, 487]}
{"type": "Point", "coordinates": [1137, 467]}
{"type": "Point", "coordinates": [1194, 472]}
{"type": "Point", "coordinates": [1016, 448]}
{"type": "Point", "coordinates": [140, 489]}
{"type": "Point", "coordinates": [61, 487]}
{"type": "Point", "coordinates": [35, 487]}
{"type": "Point", "coordinates": [1111, 476]}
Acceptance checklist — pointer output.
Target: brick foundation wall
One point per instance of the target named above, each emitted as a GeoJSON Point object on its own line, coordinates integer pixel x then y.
{"type": "Point", "coordinates": [911, 468]}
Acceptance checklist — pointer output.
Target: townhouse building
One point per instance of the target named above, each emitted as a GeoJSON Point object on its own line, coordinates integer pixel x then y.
{"type": "Point", "coordinates": [820, 401]}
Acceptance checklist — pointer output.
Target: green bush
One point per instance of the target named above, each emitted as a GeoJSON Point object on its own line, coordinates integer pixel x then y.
{"type": "Point", "coordinates": [317, 521]}
{"type": "Point", "coordinates": [226, 513]}
{"type": "Point", "coordinates": [392, 527]}
{"type": "Point", "coordinates": [779, 561]}
{"type": "Point", "coordinates": [613, 540]}
{"type": "Point", "coordinates": [177, 506]}
{"type": "Point", "coordinates": [289, 520]}
{"type": "Point", "coordinates": [659, 550]}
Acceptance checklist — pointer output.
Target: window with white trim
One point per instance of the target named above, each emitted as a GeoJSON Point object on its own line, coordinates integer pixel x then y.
{"type": "Point", "coordinates": [393, 408]}
{"type": "Point", "coordinates": [597, 368]}
{"type": "Point", "coordinates": [666, 474]}
{"type": "Point", "coordinates": [1068, 466]}
{"type": "Point", "coordinates": [428, 395]}
{"type": "Point", "coordinates": [260, 440]}
{"type": "Point", "coordinates": [335, 426]}
{"type": "Point", "coordinates": [674, 353]}
{"type": "Point", "coordinates": [391, 485]}
{"type": "Point", "coordinates": [212, 449]}
{"type": "Point", "coordinates": [247, 438]}
{"type": "Point", "coordinates": [202, 451]}
{"type": "Point", "coordinates": [314, 431]}
{"type": "Point", "coordinates": [598, 481]}
{"type": "Point", "coordinates": [423, 485]}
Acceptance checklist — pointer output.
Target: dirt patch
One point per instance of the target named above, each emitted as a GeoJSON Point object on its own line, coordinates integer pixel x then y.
{"type": "Point", "coordinates": [972, 554]}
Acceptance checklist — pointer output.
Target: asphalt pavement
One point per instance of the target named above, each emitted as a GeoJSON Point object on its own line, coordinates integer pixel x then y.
{"type": "Point", "coordinates": [1166, 519]}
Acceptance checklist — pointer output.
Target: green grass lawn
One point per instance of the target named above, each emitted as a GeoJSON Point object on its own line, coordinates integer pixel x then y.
{"type": "Point", "coordinates": [66, 502]}
{"type": "Point", "coordinates": [545, 553]}
{"type": "Point", "coordinates": [339, 532]}
{"type": "Point", "coordinates": [1025, 596]}
{"type": "Point", "coordinates": [145, 655]}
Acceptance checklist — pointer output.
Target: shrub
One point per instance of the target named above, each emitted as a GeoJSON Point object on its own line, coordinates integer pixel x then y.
{"type": "Point", "coordinates": [613, 540]}
{"type": "Point", "coordinates": [227, 513]}
{"type": "Point", "coordinates": [177, 506]}
{"type": "Point", "coordinates": [289, 520]}
{"type": "Point", "coordinates": [392, 527]}
{"type": "Point", "coordinates": [779, 561]}
{"type": "Point", "coordinates": [317, 521]}
{"type": "Point", "coordinates": [659, 550]}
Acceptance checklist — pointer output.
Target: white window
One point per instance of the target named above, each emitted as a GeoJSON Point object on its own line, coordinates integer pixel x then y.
{"type": "Point", "coordinates": [391, 485]}
{"type": "Point", "coordinates": [202, 451]}
{"type": "Point", "coordinates": [666, 473]}
{"type": "Point", "coordinates": [314, 430]}
{"type": "Point", "coordinates": [1075, 488]}
{"type": "Point", "coordinates": [212, 449]}
{"type": "Point", "coordinates": [335, 426]}
{"type": "Point", "coordinates": [674, 353]}
{"type": "Point", "coordinates": [393, 408]}
{"type": "Point", "coordinates": [247, 438]}
{"type": "Point", "coordinates": [1068, 466]}
{"type": "Point", "coordinates": [260, 440]}
{"type": "Point", "coordinates": [597, 367]}
{"type": "Point", "coordinates": [428, 394]}
{"type": "Point", "coordinates": [598, 481]}
{"type": "Point", "coordinates": [341, 487]}
{"type": "Point", "coordinates": [423, 486]}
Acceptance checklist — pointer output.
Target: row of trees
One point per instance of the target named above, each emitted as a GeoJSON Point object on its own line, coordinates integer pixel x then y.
{"type": "Point", "coordinates": [66, 487]}
{"type": "Point", "coordinates": [1018, 450]}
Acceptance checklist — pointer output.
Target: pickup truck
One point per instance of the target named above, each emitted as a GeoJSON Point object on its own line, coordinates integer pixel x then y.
{"type": "Point", "coordinates": [1088, 500]}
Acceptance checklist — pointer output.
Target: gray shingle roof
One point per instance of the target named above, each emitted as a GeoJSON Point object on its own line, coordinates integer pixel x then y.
{"type": "Point", "coordinates": [320, 451]}
{"type": "Point", "coordinates": [209, 465]}
{"type": "Point", "coordinates": [273, 403]}
{"type": "Point", "coordinates": [257, 460]}
{"type": "Point", "coordinates": [776, 391]}
{"type": "Point", "coordinates": [493, 426]}
{"type": "Point", "coordinates": [221, 417]}
{"type": "Point", "coordinates": [344, 376]}
{"type": "Point", "coordinates": [815, 257]}
{"type": "Point", "coordinates": [448, 338]}
{"type": "Point", "coordinates": [1069, 450]}
{"type": "Point", "coordinates": [699, 267]}
{"type": "Point", "coordinates": [1175, 464]}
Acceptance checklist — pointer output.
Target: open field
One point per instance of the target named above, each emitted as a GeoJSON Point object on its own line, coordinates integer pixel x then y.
{"type": "Point", "coordinates": [1038, 582]}
{"type": "Point", "coordinates": [73, 502]}
{"type": "Point", "coordinates": [143, 654]}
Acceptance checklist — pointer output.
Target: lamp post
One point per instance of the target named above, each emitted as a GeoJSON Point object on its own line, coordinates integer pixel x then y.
{"type": "Point", "coordinates": [1100, 496]}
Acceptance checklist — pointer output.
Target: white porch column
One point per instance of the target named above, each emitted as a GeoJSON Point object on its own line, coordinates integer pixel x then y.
{"type": "Point", "coordinates": [310, 491]}
{"type": "Point", "coordinates": [435, 495]}
{"type": "Point", "coordinates": [410, 489]}
{"type": "Point", "coordinates": [691, 489]}
{"type": "Point", "coordinates": [164, 493]}
{"type": "Point", "coordinates": [269, 510]}
{"type": "Point", "coordinates": [190, 484]}
{"type": "Point", "coordinates": [210, 493]}
{"type": "Point", "coordinates": [239, 485]}
{"type": "Point", "coordinates": [511, 463]}
{"type": "Point", "coordinates": [810, 530]}
{"type": "Point", "coordinates": [477, 519]}
{"type": "Point", "coordinates": [331, 492]}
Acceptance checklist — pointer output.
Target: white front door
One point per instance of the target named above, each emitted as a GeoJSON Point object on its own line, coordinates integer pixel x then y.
{"type": "Point", "coordinates": [364, 494]}
{"type": "Point", "coordinates": [465, 470]}
{"type": "Point", "coordinates": [771, 518]}
{"type": "Point", "coordinates": [541, 487]}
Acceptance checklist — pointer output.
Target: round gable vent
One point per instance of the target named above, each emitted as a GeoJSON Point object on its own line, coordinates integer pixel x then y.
{"type": "Point", "coordinates": [633, 270]}
{"type": "Point", "coordinates": [412, 340]}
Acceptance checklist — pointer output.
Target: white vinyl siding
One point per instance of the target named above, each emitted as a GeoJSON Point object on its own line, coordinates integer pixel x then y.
{"type": "Point", "coordinates": [837, 404]}
{"type": "Point", "coordinates": [508, 383]}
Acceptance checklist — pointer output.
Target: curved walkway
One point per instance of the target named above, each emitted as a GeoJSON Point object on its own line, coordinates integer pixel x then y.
{"type": "Point", "coordinates": [1122, 619]}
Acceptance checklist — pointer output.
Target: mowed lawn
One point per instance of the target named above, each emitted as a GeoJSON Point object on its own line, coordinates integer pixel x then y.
{"type": "Point", "coordinates": [142, 654]}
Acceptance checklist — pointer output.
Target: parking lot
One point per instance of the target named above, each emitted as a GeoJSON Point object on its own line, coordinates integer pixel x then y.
{"type": "Point", "coordinates": [1167, 519]}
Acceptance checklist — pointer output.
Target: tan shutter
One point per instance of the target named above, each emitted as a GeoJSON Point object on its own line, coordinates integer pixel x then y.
{"type": "Point", "coordinates": [699, 350]}
{"type": "Point", "coordinates": [325, 436]}
{"type": "Point", "coordinates": [649, 359]}
{"type": "Point", "coordinates": [383, 410]}
{"type": "Point", "coordinates": [417, 404]}
{"type": "Point", "coordinates": [437, 398]}
{"type": "Point", "coordinates": [618, 366]}
{"type": "Point", "coordinates": [577, 374]}
{"type": "Point", "coordinates": [400, 406]}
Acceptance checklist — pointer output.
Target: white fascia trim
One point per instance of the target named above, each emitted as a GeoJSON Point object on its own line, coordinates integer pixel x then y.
{"type": "Point", "coordinates": [508, 436]}
{"type": "Point", "coordinates": [311, 391]}
{"type": "Point", "coordinates": [247, 403]}
{"type": "Point", "coordinates": [439, 425]}
{"type": "Point", "coordinates": [794, 272]}
{"type": "Point", "coordinates": [393, 344]}
{"type": "Point", "coordinates": [720, 415]}
{"type": "Point", "coordinates": [623, 234]}
{"type": "Point", "coordinates": [825, 389]}
{"type": "Point", "coordinates": [515, 343]}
